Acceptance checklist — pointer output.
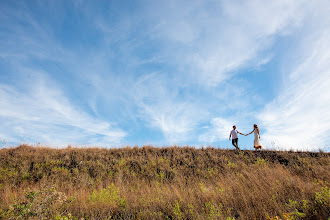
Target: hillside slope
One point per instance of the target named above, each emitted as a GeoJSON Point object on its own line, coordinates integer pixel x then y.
{"type": "Point", "coordinates": [163, 183]}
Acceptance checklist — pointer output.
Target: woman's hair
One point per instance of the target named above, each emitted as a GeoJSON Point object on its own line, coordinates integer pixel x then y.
{"type": "Point", "coordinates": [255, 126]}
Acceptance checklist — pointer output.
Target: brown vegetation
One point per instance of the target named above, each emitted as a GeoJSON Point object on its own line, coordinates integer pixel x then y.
{"type": "Point", "coordinates": [163, 183]}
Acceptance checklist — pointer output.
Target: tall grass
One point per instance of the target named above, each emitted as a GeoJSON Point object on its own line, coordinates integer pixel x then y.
{"type": "Point", "coordinates": [162, 183]}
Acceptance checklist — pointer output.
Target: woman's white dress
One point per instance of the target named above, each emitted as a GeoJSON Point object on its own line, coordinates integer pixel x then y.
{"type": "Point", "coordinates": [256, 138]}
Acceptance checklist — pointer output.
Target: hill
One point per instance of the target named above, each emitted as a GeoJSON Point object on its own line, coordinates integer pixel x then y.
{"type": "Point", "coordinates": [163, 183]}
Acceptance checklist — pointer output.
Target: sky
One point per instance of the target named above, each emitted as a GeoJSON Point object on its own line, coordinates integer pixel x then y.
{"type": "Point", "coordinates": [163, 73]}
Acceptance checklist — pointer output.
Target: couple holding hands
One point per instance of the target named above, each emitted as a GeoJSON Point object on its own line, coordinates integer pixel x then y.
{"type": "Point", "coordinates": [234, 136]}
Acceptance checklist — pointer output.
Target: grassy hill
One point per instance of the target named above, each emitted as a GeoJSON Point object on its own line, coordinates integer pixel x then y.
{"type": "Point", "coordinates": [163, 183]}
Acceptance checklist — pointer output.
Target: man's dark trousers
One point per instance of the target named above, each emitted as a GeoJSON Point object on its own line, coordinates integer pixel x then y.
{"type": "Point", "coordinates": [235, 143]}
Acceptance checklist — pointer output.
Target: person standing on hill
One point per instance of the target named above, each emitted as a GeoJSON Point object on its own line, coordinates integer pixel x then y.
{"type": "Point", "coordinates": [234, 136]}
{"type": "Point", "coordinates": [257, 143]}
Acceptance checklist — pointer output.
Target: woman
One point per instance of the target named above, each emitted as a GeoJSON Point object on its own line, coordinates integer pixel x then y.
{"type": "Point", "coordinates": [257, 144]}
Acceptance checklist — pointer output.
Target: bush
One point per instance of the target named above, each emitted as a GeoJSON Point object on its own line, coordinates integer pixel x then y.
{"type": "Point", "coordinates": [45, 204]}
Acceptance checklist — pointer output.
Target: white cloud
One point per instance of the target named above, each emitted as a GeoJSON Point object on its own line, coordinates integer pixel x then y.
{"type": "Point", "coordinates": [220, 128]}
{"type": "Point", "coordinates": [161, 107]}
{"type": "Point", "coordinates": [299, 118]}
{"type": "Point", "coordinates": [209, 41]}
{"type": "Point", "coordinates": [34, 107]}
{"type": "Point", "coordinates": [41, 113]}
{"type": "Point", "coordinates": [198, 45]}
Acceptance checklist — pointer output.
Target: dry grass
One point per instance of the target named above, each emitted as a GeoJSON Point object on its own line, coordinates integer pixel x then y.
{"type": "Point", "coordinates": [163, 183]}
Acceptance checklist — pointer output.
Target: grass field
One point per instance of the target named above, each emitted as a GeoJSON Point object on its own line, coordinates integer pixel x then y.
{"type": "Point", "coordinates": [162, 183]}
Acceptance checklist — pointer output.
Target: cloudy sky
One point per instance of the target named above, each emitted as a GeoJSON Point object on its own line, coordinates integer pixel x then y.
{"type": "Point", "coordinates": [116, 73]}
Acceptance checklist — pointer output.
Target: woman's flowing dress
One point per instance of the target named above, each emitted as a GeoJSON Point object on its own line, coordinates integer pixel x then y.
{"type": "Point", "coordinates": [256, 139]}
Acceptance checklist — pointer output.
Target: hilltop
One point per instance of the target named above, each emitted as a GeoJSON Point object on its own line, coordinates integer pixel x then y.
{"type": "Point", "coordinates": [163, 183]}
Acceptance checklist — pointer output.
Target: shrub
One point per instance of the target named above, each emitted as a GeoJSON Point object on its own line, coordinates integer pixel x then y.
{"type": "Point", "coordinates": [107, 197]}
{"type": "Point", "coordinates": [45, 203]}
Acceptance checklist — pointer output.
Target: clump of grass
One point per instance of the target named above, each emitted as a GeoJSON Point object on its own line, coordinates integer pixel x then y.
{"type": "Point", "coordinates": [162, 183]}
{"type": "Point", "coordinates": [43, 203]}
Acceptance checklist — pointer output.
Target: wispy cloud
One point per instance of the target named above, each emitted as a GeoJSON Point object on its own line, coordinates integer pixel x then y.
{"type": "Point", "coordinates": [39, 102]}
{"type": "Point", "coordinates": [108, 73]}
{"type": "Point", "coordinates": [299, 118]}
{"type": "Point", "coordinates": [213, 40]}
{"type": "Point", "coordinates": [219, 130]}
{"type": "Point", "coordinates": [207, 44]}
{"type": "Point", "coordinates": [161, 106]}
{"type": "Point", "coordinates": [42, 113]}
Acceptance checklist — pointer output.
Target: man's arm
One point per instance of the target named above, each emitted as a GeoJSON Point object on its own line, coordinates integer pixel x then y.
{"type": "Point", "coordinates": [240, 133]}
{"type": "Point", "coordinates": [229, 135]}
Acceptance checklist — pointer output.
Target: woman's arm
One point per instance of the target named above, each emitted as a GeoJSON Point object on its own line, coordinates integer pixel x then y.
{"type": "Point", "coordinates": [250, 133]}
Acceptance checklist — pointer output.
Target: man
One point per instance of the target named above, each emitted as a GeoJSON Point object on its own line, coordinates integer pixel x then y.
{"type": "Point", "coordinates": [234, 136]}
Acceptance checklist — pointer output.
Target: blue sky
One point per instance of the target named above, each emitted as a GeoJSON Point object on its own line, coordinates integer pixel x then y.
{"type": "Point", "coordinates": [117, 73]}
